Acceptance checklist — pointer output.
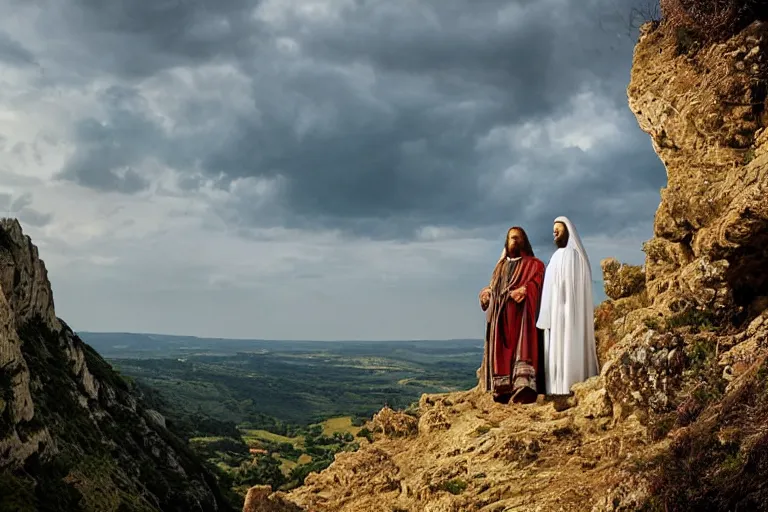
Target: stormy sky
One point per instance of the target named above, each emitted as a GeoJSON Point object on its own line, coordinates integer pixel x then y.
{"type": "Point", "coordinates": [313, 169]}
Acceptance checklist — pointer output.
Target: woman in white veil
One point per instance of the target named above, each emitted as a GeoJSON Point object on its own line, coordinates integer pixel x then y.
{"type": "Point", "coordinates": [567, 316]}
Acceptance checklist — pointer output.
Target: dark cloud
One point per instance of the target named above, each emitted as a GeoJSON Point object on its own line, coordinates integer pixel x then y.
{"type": "Point", "coordinates": [106, 152]}
{"type": "Point", "coordinates": [19, 206]}
{"type": "Point", "coordinates": [138, 39]}
{"type": "Point", "coordinates": [35, 218]}
{"type": "Point", "coordinates": [13, 53]}
{"type": "Point", "coordinates": [373, 123]}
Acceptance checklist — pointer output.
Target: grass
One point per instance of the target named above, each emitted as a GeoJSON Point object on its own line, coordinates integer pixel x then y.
{"type": "Point", "coordinates": [286, 465]}
{"type": "Point", "coordinates": [93, 477]}
{"type": "Point", "coordinates": [653, 324]}
{"type": "Point", "coordinates": [225, 467]}
{"type": "Point", "coordinates": [699, 320]}
{"type": "Point", "coordinates": [250, 435]}
{"type": "Point", "coordinates": [341, 424]}
{"type": "Point", "coordinates": [206, 440]}
{"type": "Point", "coordinates": [749, 155]}
{"type": "Point", "coordinates": [694, 319]}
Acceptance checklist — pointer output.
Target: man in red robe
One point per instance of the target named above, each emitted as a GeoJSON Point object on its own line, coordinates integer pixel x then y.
{"type": "Point", "coordinates": [511, 303]}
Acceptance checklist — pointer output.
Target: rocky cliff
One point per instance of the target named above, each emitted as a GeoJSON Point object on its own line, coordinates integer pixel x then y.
{"type": "Point", "coordinates": [73, 434]}
{"type": "Point", "coordinates": [677, 418]}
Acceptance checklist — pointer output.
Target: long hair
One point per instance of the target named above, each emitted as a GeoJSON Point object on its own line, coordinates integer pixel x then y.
{"type": "Point", "coordinates": [525, 250]}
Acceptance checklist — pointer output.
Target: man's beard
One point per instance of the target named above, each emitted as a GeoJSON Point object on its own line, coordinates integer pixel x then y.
{"type": "Point", "coordinates": [561, 242]}
{"type": "Point", "coordinates": [513, 252]}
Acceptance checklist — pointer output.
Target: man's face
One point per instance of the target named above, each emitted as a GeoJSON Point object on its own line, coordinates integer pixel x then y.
{"type": "Point", "coordinates": [560, 233]}
{"type": "Point", "coordinates": [514, 242]}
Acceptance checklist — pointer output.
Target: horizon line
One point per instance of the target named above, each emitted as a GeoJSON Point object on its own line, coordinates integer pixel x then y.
{"type": "Point", "coordinates": [279, 340]}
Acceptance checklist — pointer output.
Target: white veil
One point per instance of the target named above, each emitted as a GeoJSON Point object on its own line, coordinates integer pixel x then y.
{"type": "Point", "coordinates": [574, 242]}
{"type": "Point", "coordinates": [585, 271]}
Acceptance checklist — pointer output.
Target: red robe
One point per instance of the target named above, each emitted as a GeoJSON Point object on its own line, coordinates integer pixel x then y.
{"type": "Point", "coordinates": [511, 356]}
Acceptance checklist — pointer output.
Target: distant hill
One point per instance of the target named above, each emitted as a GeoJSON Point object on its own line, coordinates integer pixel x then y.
{"type": "Point", "coordinates": [137, 345]}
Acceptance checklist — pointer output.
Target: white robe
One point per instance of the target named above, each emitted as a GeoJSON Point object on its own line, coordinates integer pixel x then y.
{"type": "Point", "coordinates": [567, 317]}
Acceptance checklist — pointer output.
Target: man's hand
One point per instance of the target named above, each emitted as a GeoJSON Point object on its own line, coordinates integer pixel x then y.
{"type": "Point", "coordinates": [485, 298]}
{"type": "Point", "coordinates": [518, 295]}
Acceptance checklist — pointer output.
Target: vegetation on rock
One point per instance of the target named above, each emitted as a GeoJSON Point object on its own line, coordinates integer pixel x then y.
{"type": "Point", "coordinates": [711, 19]}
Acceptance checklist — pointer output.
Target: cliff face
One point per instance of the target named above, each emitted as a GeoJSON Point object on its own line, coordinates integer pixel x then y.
{"type": "Point", "coordinates": [676, 419]}
{"type": "Point", "coordinates": [704, 109]}
{"type": "Point", "coordinates": [73, 434]}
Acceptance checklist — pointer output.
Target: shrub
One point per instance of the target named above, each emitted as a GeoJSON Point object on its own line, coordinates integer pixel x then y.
{"type": "Point", "coordinates": [364, 432]}
{"type": "Point", "coordinates": [720, 462]}
{"type": "Point", "coordinates": [18, 493]}
{"type": "Point", "coordinates": [698, 320]}
{"type": "Point", "coordinates": [712, 19]}
{"type": "Point", "coordinates": [454, 486]}
{"type": "Point", "coordinates": [482, 430]}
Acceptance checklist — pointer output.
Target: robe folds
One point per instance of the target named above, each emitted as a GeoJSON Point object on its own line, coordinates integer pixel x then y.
{"type": "Point", "coordinates": [511, 356]}
{"type": "Point", "coordinates": [567, 316]}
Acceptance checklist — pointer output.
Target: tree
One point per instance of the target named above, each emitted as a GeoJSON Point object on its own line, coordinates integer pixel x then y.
{"type": "Point", "coordinates": [262, 471]}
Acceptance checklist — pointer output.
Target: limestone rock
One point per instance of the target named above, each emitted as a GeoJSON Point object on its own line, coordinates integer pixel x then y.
{"type": "Point", "coordinates": [644, 372]}
{"type": "Point", "coordinates": [156, 417]}
{"type": "Point", "coordinates": [490, 453]}
{"type": "Point", "coordinates": [432, 420]}
{"type": "Point", "coordinates": [744, 349]}
{"type": "Point", "coordinates": [75, 354]}
{"type": "Point", "coordinates": [24, 277]}
{"type": "Point", "coordinates": [592, 398]}
{"type": "Point", "coordinates": [20, 408]}
{"type": "Point", "coordinates": [622, 280]}
{"type": "Point", "coordinates": [614, 319]}
{"type": "Point", "coordinates": [394, 424]}
{"type": "Point", "coordinates": [261, 499]}
{"type": "Point", "coordinates": [702, 112]}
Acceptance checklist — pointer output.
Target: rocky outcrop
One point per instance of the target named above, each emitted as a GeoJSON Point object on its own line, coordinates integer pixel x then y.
{"type": "Point", "coordinates": [261, 499]}
{"type": "Point", "coordinates": [622, 280]}
{"type": "Point", "coordinates": [493, 457]}
{"type": "Point", "coordinates": [16, 404]}
{"type": "Point", "coordinates": [23, 277]}
{"type": "Point", "coordinates": [704, 109]}
{"type": "Point", "coordinates": [627, 307]}
{"type": "Point", "coordinates": [73, 434]}
{"type": "Point", "coordinates": [393, 424]}
{"type": "Point", "coordinates": [644, 372]}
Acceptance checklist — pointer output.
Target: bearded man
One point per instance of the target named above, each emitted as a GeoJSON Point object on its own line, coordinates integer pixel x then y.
{"type": "Point", "coordinates": [511, 303]}
{"type": "Point", "coordinates": [567, 313]}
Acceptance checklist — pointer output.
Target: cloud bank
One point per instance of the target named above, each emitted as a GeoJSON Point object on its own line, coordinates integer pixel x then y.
{"type": "Point", "coordinates": [317, 169]}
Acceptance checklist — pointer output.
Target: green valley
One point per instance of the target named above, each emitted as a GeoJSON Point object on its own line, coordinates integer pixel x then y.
{"type": "Point", "coordinates": [271, 412]}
